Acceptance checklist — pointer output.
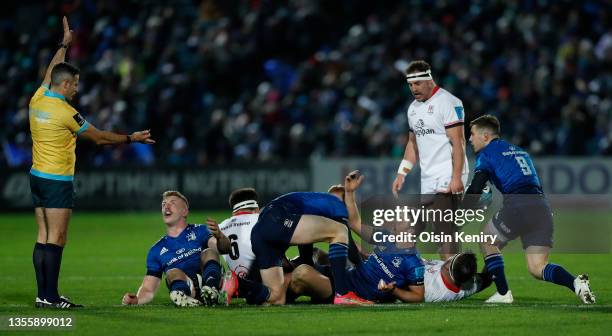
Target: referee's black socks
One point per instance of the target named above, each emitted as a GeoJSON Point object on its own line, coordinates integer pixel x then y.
{"type": "Point", "coordinates": [52, 263]}
{"type": "Point", "coordinates": [38, 259]}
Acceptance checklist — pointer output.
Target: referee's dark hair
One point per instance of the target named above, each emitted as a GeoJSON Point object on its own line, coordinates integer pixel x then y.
{"type": "Point", "coordinates": [241, 195]}
{"type": "Point", "coordinates": [63, 71]}
{"type": "Point", "coordinates": [417, 66]}
{"type": "Point", "coordinates": [488, 122]}
{"type": "Point", "coordinates": [463, 267]}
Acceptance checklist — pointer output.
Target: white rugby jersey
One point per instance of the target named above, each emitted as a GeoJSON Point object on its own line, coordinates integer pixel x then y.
{"type": "Point", "coordinates": [429, 121]}
{"type": "Point", "coordinates": [436, 290]}
{"type": "Point", "coordinates": [238, 229]}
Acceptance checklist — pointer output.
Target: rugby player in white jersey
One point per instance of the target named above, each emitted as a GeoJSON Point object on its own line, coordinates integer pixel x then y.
{"type": "Point", "coordinates": [436, 139]}
{"type": "Point", "coordinates": [237, 229]}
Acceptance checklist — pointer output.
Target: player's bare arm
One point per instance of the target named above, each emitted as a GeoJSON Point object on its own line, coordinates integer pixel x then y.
{"type": "Point", "coordinates": [100, 137]}
{"type": "Point", "coordinates": [351, 183]}
{"type": "Point", "coordinates": [146, 292]}
{"type": "Point", "coordinates": [411, 156]}
{"type": "Point", "coordinates": [222, 243]}
{"type": "Point", "coordinates": [456, 138]}
{"type": "Point", "coordinates": [411, 294]}
{"type": "Point", "coordinates": [60, 54]}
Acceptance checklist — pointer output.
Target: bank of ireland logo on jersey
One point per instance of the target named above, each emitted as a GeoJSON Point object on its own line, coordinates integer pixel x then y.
{"type": "Point", "coordinates": [181, 250]}
{"type": "Point", "coordinates": [397, 261]}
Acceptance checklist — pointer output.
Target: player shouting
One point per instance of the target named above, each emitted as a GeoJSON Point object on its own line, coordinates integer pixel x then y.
{"type": "Point", "coordinates": [187, 255]}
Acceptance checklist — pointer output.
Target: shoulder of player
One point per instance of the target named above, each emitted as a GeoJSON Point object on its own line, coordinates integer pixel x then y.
{"type": "Point", "coordinates": [197, 227]}
{"type": "Point", "coordinates": [443, 93]}
{"type": "Point", "coordinates": [445, 97]}
{"type": "Point", "coordinates": [158, 244]}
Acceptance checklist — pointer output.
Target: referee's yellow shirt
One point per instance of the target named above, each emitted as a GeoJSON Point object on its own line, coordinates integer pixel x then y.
{"type": "Point", "coordinates": [54, 125]}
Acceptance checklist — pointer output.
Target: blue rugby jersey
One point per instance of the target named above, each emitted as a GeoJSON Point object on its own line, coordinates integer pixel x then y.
{"type": "Point", "coordinates": [509, 168]}
{"type": "Point", "coordinates": [182, 252]}
{"type": "Point", "coordinates": [402, 268]}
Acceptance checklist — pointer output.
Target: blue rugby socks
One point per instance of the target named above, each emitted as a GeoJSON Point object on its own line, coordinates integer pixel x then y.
{"type": "Point", "coordinates": [558, 275]}
{"type": "Point", "coordinates": [495, 266]}
{"type": "Point", "coordinates": [338, 254]}
{"type": "Point", "coordinates": [52, 263]}
{"type": "Point", "coordinates": [211, 274]}
{"type": "Point", "coordinates": [38, 259]}
{"type": "Point", "coordinates": [253, 292]}
{"type": "Point", "coordinates": [181, 286]}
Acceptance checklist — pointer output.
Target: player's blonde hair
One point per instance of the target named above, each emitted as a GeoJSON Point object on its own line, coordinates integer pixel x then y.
{"type": "Point", "coordinates": [178, 194]}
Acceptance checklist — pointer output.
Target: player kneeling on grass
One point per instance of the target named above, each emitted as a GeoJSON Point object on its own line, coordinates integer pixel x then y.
{"type": "Point", "coordinates": [525, 213]}
{"type": "Point", "coordinates": [187, 255]}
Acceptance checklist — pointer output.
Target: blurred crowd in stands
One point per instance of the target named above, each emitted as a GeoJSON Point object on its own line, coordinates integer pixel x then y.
{"type": "Point", "coordinates": [230, 81]}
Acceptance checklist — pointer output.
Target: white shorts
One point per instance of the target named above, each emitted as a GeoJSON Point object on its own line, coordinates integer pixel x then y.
{"type": "Point", "coordinates": [435, 185]}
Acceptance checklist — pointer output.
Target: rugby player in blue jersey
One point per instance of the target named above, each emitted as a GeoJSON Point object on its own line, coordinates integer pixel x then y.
{"type": "Point", "coordinates": [187, 255]}
{"type": "Point", "coordinates": [296, 219]}
{"type": "Point", "coordinates": [525, 213]}
{"type": "Point", "coordinates": [390, 273]}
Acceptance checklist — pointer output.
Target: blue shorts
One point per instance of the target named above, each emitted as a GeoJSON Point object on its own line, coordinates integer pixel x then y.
{"type": "Point", "coordinates": [531, 221]}
{"type": "Point", "coordinates": [271, 235]}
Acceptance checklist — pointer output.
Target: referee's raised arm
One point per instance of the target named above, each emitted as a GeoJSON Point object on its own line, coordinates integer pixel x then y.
{"type": "Point", "coordinates": [60, 54]}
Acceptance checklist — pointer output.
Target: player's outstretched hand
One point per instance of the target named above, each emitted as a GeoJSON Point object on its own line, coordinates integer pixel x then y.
{"type": "Point", "coordinates": [386, 287]}
{"type": "Point", "coordinates": [129, 299]}
{"type": "Point", "coordinates": [213, 227]}
{"type": "Point", "coordinates": [352, 181]}
{"type": "Point", "coordinates": [397, 184]}
{"type": "Point", "coordinates": [455, 186]}
{"type": "Point", "coordinates": [67, 39]}
{"type": "Point", "coordinates": [142, 137]}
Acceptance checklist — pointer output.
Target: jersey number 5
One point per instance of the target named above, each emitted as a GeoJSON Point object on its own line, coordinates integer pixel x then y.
{"type": "Point", "coordinates": [524, 165]}
{"type": "Point", "coordinates": [234, 252]}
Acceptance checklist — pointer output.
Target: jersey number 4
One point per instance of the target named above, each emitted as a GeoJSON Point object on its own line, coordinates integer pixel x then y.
{"type": "Point", "coordinates": [524, 165]}
{"type": "Point", "coordinates": [234, 252]}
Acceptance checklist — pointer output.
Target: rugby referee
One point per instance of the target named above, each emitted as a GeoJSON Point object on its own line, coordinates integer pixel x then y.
{"type": "Point", "coordinates": [55, 125]}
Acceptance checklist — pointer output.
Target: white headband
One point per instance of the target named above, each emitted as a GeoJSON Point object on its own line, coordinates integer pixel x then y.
{"type": "Point", "coordinates": [418, 76]}
{"type": "Point", "coordinates": [245, 205]}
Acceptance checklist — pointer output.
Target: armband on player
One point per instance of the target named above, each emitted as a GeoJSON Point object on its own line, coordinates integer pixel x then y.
{"type": "Point", "coordinates": [405, 167]}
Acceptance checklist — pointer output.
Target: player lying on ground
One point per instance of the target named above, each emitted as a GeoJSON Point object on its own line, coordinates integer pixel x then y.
{"type": "Point", "coordinates": [525, 213]}
{"type": "Point", "coordinates": [187, 255]}
{"type": "Point", "coordinates": [444, 281]}
{"type": "Point", "coordinates": [383, 277]}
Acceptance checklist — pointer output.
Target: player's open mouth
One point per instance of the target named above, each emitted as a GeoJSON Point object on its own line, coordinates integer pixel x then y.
{"type": "Point", "coordinates": [167, 213]}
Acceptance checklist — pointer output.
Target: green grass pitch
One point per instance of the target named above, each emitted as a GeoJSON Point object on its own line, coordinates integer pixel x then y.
{"type": "Point", "coordinates": [105, 257]}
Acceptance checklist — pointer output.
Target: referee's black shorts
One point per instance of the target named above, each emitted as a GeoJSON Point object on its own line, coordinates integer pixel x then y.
{"type": "Point", "coordinates": [48, 193]}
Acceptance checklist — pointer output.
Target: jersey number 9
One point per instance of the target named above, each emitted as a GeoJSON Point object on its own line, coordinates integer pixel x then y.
{"type": "Point", "coordinates": [524, 165]}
